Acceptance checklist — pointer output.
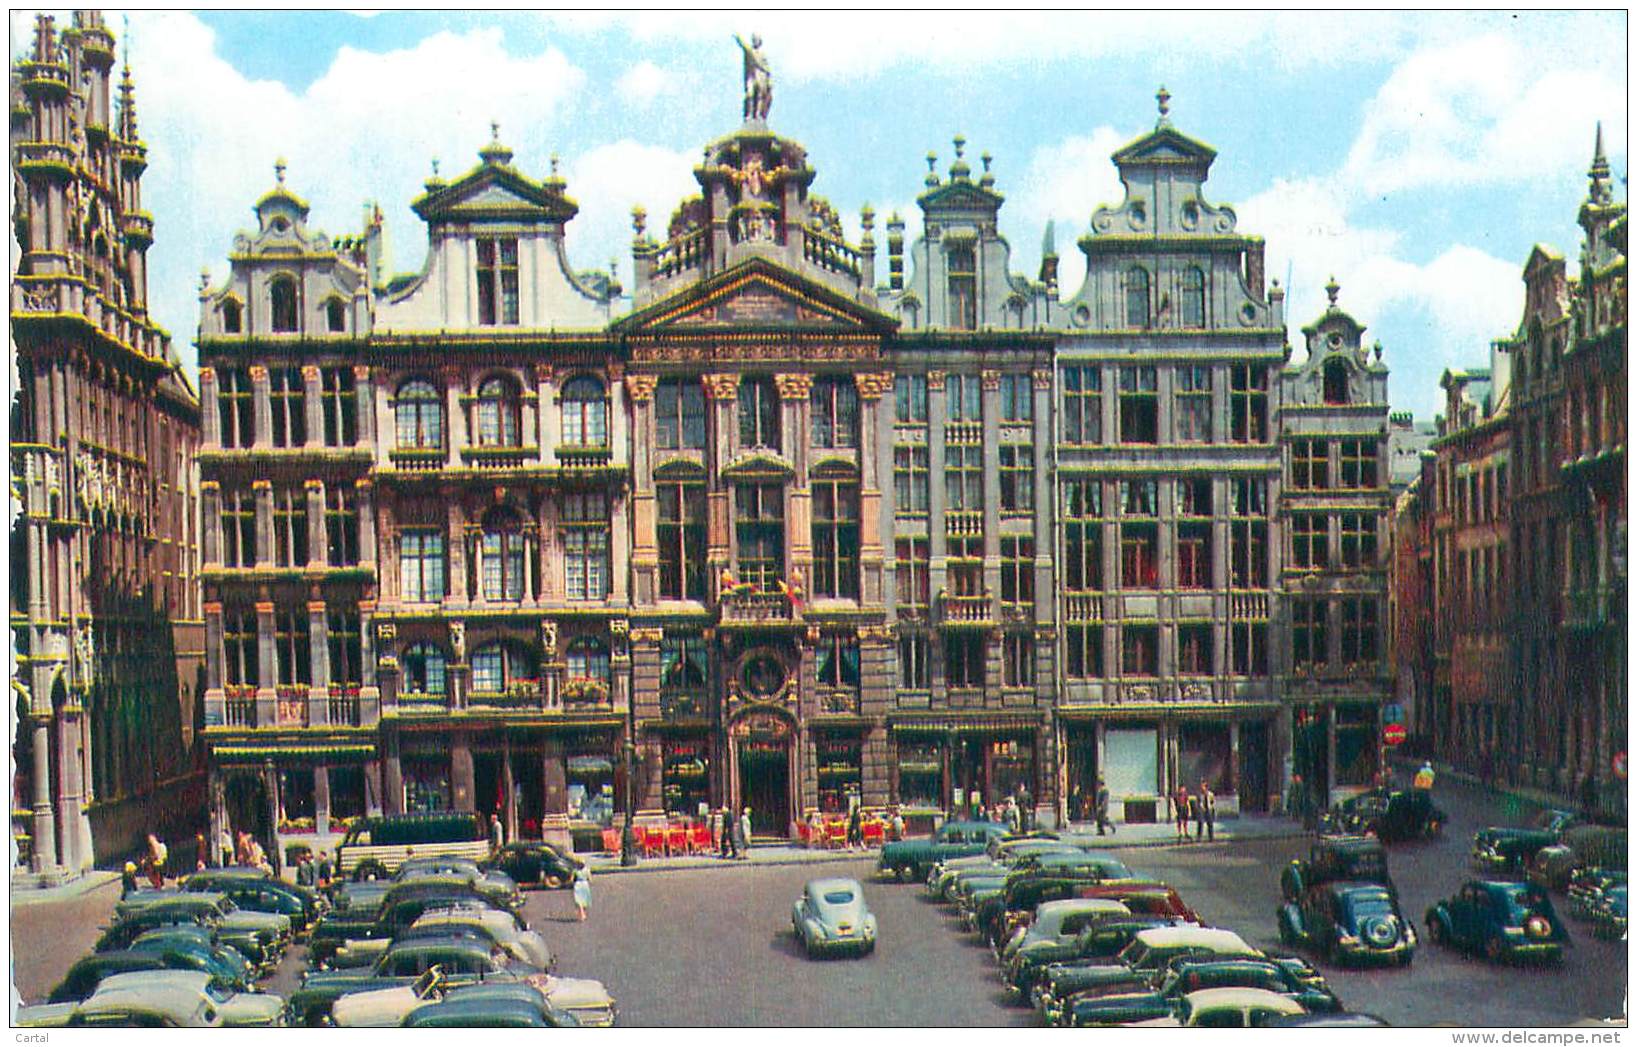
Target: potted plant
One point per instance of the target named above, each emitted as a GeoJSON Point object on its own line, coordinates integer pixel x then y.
{"type": "Point", "coordinates": [585, 691]}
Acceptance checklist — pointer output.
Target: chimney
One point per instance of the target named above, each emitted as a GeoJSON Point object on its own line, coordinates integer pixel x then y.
{"type": "Point", "coordinates": [895, 252]}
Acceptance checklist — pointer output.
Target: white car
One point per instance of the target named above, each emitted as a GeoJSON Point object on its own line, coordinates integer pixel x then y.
{"type": "Point", "coordinates": [499, 927]}
{"type": "Point", "coordinates": [1225, 1009]}
{"type": "Point", "coordinates": [153, 999]}
{"type": "Point", "coordinates": [588, 1000]}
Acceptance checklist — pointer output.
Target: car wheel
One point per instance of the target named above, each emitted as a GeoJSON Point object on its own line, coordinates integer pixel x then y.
{"type": "Point", "coordinates": [1493, 951]}
{"type": "Point", "coordinates": [551, 881]}
{"type": "Point", "coordinates": [1435, 930]}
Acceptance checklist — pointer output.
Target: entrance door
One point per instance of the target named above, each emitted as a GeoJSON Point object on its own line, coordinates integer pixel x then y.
{"type": "Point", "coordinates": [764, 786]}
{"type": "Point", "coordinates": [488, 784]}
{"type": "Point", "coordinates": [1253, 766]}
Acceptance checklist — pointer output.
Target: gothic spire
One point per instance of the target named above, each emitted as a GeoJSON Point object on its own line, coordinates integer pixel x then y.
{"type": "Point", "coordinates": [127, 103]}
{"type": "Point", "coordinates": [1599, 191]}
{"type": "Point", "coordinates": [45, 38]}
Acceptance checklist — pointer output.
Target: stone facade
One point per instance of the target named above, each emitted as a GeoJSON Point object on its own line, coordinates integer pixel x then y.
{"type": "Point", "coordinates": [105, 605]}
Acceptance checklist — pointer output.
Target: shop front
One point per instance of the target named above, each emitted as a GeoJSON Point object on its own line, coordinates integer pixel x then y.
{"type": "Point", "coordinates": [840, 771]}
{"type": "Point", "coordinates": [763, 751]}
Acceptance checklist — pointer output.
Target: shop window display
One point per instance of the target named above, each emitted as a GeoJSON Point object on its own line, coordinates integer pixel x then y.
{"type": "Point", "coordinates": [920, 775]}
{"type": "Point", "coordinates": [591, 789]}
{"type": "Point", "coordinates": [686, 782]}
{"type": "Point", "coordinates": [840, 774]}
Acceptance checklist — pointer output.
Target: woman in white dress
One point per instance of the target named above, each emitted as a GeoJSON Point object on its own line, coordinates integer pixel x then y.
{"type": "Point", "coordinates": [582, 890]}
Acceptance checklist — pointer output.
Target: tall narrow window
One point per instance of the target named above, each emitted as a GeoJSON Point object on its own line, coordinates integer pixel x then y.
{"type": "Point", "coordinates": [335, 315]}
{"type": "Point", "coordinates": [1017, 660]}
{"type": "Point", "coordinates": [421, 565]}
{"type": "Point", "coordinates": [1359, 460]}
{"type": "Point", "coordinates": [1140, 497]}
{"type": "Point", "coordinates": [1249, 648]}
{"type": "Point", "coordinates": [1139, 405]}
{"type": "Point", "coordinates": [1194, 496]}
{"type": "Point", "coordinates": [502, 556]}
{"type": "Point", "coordinates": [341, 524]}
{"type": "Point", "coordinates": [913, 565]}
{"type": "Point", "coordinates": [679, 414]}
{"type": "Point", "coordinates": [1082, 535]}
{"type": "Point", "coordinates": [282, 290]}
{"type": "Point", "coordinates": [1193, 297]}
{"type": "Point", "coordinates": [1309, 644]}
{"type": "Point", "coordinates": [239, 529]}
{"type": "Point", "coordinates": [1017, 570]}
{"type": "Point", "coordinates": [1196, 649]}
{"type": "Point", "coordinates": [759, 414]}
{"type": "Point", "coordinates": [1136, 297]}
{"type": "Point", "coordinates": [1359, 630]}
{"type": "Point", "coordinates": [964, 567]}
{"type": "Point", "coordinates": [963, 288]}
{"type": "Point", "coordinates": [1358, 541]}
{"type": "Point", "coordinates": [497, 281]}
{"type": "Point", "coordinates": [340, 402]}
{"type": "Point", "coordinates": [1248, 563]}
{"type": "Point", "coordinates": [1310, 541]}
{"type": "Point", "coordinates": [232, 317]}
{"type": "Point", "coordinates": [425, 671]}
{"type": "Point", "coordinates": [835, 539]}
{"type": "Point", "coordinates": [1193, 403]}
{"type": "Point", "coordinates": [585, 545]}
{"type": "Point", "coordinates": [241, 662]}
{"type": "Point", "coordinates": [963, 397]}
{"type": "Point", "coordinates": [1139, 555]}
{"type": "Point", "coordinates": [910, 479]}
{"type": "Point", "coordinates": [1139, 650]}
{"type": "Point", "coordinates": [288, 407]}
{"type": "Point", "coordinates": [913, 656]}
{"type": "Point", "coordinates": [1193, 556]}
{"type": "Point", "coordinates": [1310, 465]}
{"type": "Point", "coordinates": [1335, 381]}
{"type": "Point", "coordinates": [1017, 478]}
{"type": "Point", "coordinates": [292, 654]}
{"type": "Point", "coordinates": [499, 413]}
{"type": "Point", "coordinates": [910, 398]}
{"type": "Point", "coordinates": [681, 540]}
{"type": "Point", "coordinates": [1248, 403]}
{"type": "Point", "coordinates": [963, 659]}
{"type": "Point", "coordinates": [419, 413]}
{"type": "Point", "coordinates": [759, 533]}
{"type": "Point", "coordinates": [585, 413]}
{"type": "Point", "coordinates": [1082, 405]}
{"type": "Point", "coordinates": [290, 528]}
{"type": "Point", "coordinates": [836, 661]}
{"type": "Point", "coordinates": [684, 662]}
{"type": "Point", "coordinates": [963, 477]}
{"type": "Point", "coordinates": [1016, 398]}
{"type": "Point", "coordinates": [346, 649]}
{"type": "Point", "coordinates": [835, 412]}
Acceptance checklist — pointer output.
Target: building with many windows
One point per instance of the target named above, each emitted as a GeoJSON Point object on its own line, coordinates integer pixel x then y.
{"type": "Point", "coordinates": [104, 542]}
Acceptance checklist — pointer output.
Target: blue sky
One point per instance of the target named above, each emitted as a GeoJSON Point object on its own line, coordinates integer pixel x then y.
{"type": "Point", "coordinates": [1416, 156]}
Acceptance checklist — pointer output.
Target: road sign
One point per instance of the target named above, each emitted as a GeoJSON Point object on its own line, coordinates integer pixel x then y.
{"type": "Point", "coordinates": [1394, 733]}
{"type": "Point", "coordinates": [1393, 713]}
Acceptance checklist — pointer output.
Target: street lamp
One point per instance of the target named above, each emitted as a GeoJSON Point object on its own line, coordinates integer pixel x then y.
{"type": "Point", "coordinates": [628, 835]}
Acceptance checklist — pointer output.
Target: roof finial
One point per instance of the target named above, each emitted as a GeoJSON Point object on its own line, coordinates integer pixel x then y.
{"type": "Point", "coordinates": [278, 169]}
{"type": "Point", "coordinates": [1332, 289]}
{"type": "Point", "coordinates": [931, 169]}
{"type": "Point", "coordinates": [1599, 193]}
{"type": "Point", "coordinates": [434, 167]}
{"type": "Point", "coordinates": [1164, 98]}
{"type": "Point", "coordinates": [494, 130]}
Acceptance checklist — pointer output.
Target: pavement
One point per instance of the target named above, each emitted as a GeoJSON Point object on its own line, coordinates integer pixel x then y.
{"type": "Point", "coordinates": [26, 891]}
{"type": "Point", "coordinates": [1159, 834]}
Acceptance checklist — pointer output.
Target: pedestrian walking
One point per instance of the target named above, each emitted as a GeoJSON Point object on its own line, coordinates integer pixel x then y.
{"type": "Point", "coordinates": [322, 872]}
{"type": "Point", "coordinates": [895, 826]}
{"type": "Point", "coordinates": [1424, 777]}
{"type": "Point", "coordinates": [715, 823]}
{"type": "Point", "coordinates": [741, 839]}
{"type": "Point", "coordinates": [1205, 804]}
{"type": "Point", "coordinates": [127, 881]}
{"type": "Point", "coordinates": [1102, 807]}
{"type": "Point", "coordinates": [497, 834]}
{"type": "Point", "coordinates": [582, 890]}
{"type": "Point", "coordinates": [1025, 809]}
{"type": "Point", "coordinates": [158, 855]}
{"type": "Point", "coordinates": [855, 827]}
{"type": "Point", "coordinates": [729, 830]}
{"type": "Point", "coordinates": [1182, 811]}
{"type": "Point", "coordinates": [224, 845]}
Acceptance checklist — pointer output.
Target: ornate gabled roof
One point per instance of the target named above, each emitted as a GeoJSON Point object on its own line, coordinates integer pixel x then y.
{"type": "Point", "coordinates": [756, 293]}
{"type": "Point", "coordinates": [280, 197]}
{"type": "Point", "coordinates": [495, 190]}
{"type": "Point", "coordinates": [1165, 145]}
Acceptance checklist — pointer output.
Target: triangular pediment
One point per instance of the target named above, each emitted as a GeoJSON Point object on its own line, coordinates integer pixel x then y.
{"type": "Point", "coordinates": [756, 294]}
{"type": "Point", "coordinates": [960, 196]}
{"type": "Point", "coordinates": [496, 191]}
{"type": "Point", "coordinates": [1166, 145]}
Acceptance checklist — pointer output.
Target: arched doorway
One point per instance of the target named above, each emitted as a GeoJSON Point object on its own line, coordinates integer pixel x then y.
{"type": "Point", "coordinates": [764, 767]}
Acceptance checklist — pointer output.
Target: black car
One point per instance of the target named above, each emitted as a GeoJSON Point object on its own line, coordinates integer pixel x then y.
{"type": "Point", "coordinates": [535, 862]}
{"type": "Point", "coordinates": [1349, 921]}
{"type": "Point", "coordinates": [1359, 858]}
{"type": "Point", "coordinates": [1390, 815]}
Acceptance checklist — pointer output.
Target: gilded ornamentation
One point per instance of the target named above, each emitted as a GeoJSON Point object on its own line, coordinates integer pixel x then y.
{"type": "Point", "coordinates": [640, 387]}
{"type": "Point", "coordinates": [873, 385]}
{"type": "Point", "coordinates": [991, 381]}
{"type": "Point", "coordinates": [542, 373]}
{"type": "Point", "coordinates": [360, 372]}
{"type": "Point", "coordinates": [722, 386]}
{"type": "Point", "coordinates": [386, 632]}
{"type": "Point", "coordinates": [258, 373]}
{"type": "Point", "coordinates": [646, 635]}
{"type": "Point", "coordinates": [316, 606]}
{"type": "Point", "coordinates": [935, 380]}
{"type": "Point", "coordinates": [207, 374]}
{"type": "Point", "coordinates": [876, 634]}
{"type": "Point", "coordinates": [548, 639]}
{"type": "Point", "coordinates": [1042, 379]}
{"type": "Point", "coordinates": [309, 373]}
{"type": "Point", "coordinates": [794, 386]}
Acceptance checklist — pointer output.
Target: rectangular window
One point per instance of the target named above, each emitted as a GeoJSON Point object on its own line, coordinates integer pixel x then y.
{"type": "Point", "coordinates": [1196, 654]}
{"type": "Point", "coordinates": [1248, 497]}
{"type": "Point", "coordinates": [1016, 398]}
{"type": "Point", "coordinates": [836, 661]}
{"type": "Point", "coordinates": [835, 539]}
{"type": "Point", "coordinates": [1310, 465]}
{"type": "Point", "coordinates": [835, 412]}
{"type": "Point", "coordinates": [913, 673]}
{"type": "Point", "coordinates": [341, 525]}
{"type": "Point", "coordinates": [963, 288]}
{"type": "Point", "coordinates": [241, 664]}
{"type": "Point", "coordinates": [340, 403]}
{"type": "Point", "coordinates": [1082, 405]}
{"type": "Point", "coordinates": [1193, 404]}
{"type": "Point", "coordinates": [1017, 570]}
{"type": "Point", "coordinates": [239, 529]}
{"type": "Point", "coordinates": [681, 540]}
{"type": "Point", "coordinates": [963, 398]}
{"type": "Point", "coordinates": [421, 565]}
{"type": "Point", "coordinates": [1309, 646]}
{"type": "Point", "coordinates": [963, 477]}
{"type": "Point", "coordinates": [1139, 555]}
{"type": "Point", "coordinates": [964, 570]}
{"type": "Point", "coordinates": [1194, 496]}
{"type": "Point", "coordinates": [1248, 403]}
{"type": "Point", "coordinates": [585, 546]}
{"type": "Point", "coordinates": [290, 528]}
{"type": "Point", "coordinates": [1359, 460]}
{"type": "Point", "coordinates": [1082, 535]}
{"type": "Point", "coordinates": [1139, 405]}
{"type": "Point", "coordinates": [1310, 541]}
{"type": "Point", "coordinates": [1139, 497]}
{"type": "Point", "coordinates": [1359, 630]}
{"type": "Point", "coordinates": [1017, 660]}
{"type": "Point", "coordinates": [1250, 648]}
{"type": "Point", "coordinates": [289, 407]}
{"type": "Point", "coordinates": [910, 398]}
{"type": "Point", "coordinates": [758, 414]}
{"type": "Point", "coordinates": [346, 649]}
{"type": "Point", "coordinates": [913, 572]}
{"type": "Point", "coordinates": [1139, 650]}
{"type": "Point", "coordinates": [1248, 554]}
{"type": "Point", "coordinates": [497, 280]}
{"type": "Point", "coordinates": [910, 478]}
{"type": "Point", "coordinates": [1017, 478]}
{"type": "Point", "coordinates": [292, 652]}
{"type": "Point", "coordinates": [963, 659]}
{"type": "Point", "coordinates": [759, 533]}
{"type": "Point", "coordinates": [1358, 540]}
{"type": "Point", "coordinates": [1083, 650]}
{"type": "Point", "coordinates": [1193, 556]}
{"type": "Point", "coordinates": [679, 414]}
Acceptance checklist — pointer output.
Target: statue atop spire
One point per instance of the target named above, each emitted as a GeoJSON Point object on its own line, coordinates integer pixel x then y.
{"type": "Point", "coordinates": [1332, 289]}
{"type": "Point", "coordinates": [758, 79]}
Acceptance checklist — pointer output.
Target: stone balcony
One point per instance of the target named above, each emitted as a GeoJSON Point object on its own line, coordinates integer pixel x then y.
{"type": "Point", "coordinates": [969, 612]}
{"type": "Point", "coordinates": [755, 608]}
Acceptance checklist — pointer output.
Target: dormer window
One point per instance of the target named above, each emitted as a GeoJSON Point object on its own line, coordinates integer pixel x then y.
{"type": "Point", "coordinates": [335, 315]}
{"type": "Point", "coordinates": [1136, 297]}
{"type": "Point", "coordinates": [1335, 382]}
{"type": "Point", "coordinates": [497, 281]}
{"type": "Point", "coordinates": [963, 288]}
{"type": "Point", "coordinates": [498, 414]}
{"type": "Point", "coordinates": [283, 293]}
{"type": "Point", "coordinates": [232, 317]}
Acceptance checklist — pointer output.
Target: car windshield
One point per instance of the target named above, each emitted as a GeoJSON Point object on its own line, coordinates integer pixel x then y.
{"type": "Point", "coordinates": [841, 897]}
{"type": "Point", "coordinates": [1370, 903]}
{"type": "Point", "coordinates": [1522, 902]}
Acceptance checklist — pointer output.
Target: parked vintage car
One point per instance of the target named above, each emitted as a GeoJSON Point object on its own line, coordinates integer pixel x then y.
{"type": "Point", "coordinates": [151, 999]}
{"type": "Point", "coordinates": [1225, 1009]}
{"type": "Point", "coordinates": [257, 943]}
{"type": "Point", "coordinates": [1506, 849]}
{"type": "Point", "coordinates": [1346, 921]}
{"type": "Point", "coordinates": [1390, 815]}
{"type": "Point", "coordinates": [499, 929]}
{"type": "Point", "coordinates": [535, 862]}
{"type": "Point", "coordinates": [914, 857]}
{"type": "Point", "coordinates": [1142, 963]}
{"type": "Point", "coordinates": [493, 884]}
{"type": "Point", "coordinates": [1587, 888]}
{"type": "Point", "coordinates": [1342, 1020]}
{"type": "Point", "coordinates": [1095, 949]}
{"type": "Point", "coordinates": [1609, 913]}
{"type": "Point", "coordinates": [88, 972]}
{"type": "Point", "coordinates": [401, 907]}
{"type": "Point", "coordinates": [262, 895]}
{"type": "Point", "coordinates": [491, 1006]}
{"type": "Point", "coordinates": [1003, 852]}
{"type": "Point", "coordinates": [1502, 919]}
{"type": "Point", "coordinates": [1191, 975]}
{"type": "Point", "coordinates": [219, 957]}
{"type": "Point", "coordinates": [1053, 938]}
{"type": "Point", "coordinates": [1599, 847]}
{"type": "Point", "coordinates": [1144, 896]}
{"type": "Point", "coordinates": [587, 1000]}
{"type": "Point", "coordinates": [224, 910]}
{"type": "Point", "coordinates": [1358, 858]}
{"type": "Point", "coordinates": [461, 960]}
{"type": "Point", "coordinates": [831, 914]}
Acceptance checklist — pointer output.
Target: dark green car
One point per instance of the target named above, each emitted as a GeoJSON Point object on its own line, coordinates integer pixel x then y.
{"type": "Point", "coordinates": [1501, 919]}
{"type": "Point", "coordinates": [1191, 974]}
{"type": "Point", "coordinates": [462, 961]}
{"type": "Point", "coordinates": [953, 840]}
{"type": "Point", "coordinates": [1508, 848]}
{"type": "Point", "coordinates": [535, 862]}
{"type": "Point", "coordinates": [491, 1006]}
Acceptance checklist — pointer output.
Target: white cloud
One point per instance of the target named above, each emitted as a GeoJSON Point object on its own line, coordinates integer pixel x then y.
{"type": "Point", "coordinates": [1064, 182]}
{"type": "Point", "coordinates": [644, 82]}
{"type": "Point", "coordinates": [607, 182]}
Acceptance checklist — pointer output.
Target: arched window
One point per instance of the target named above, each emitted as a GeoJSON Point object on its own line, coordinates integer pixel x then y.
{"type": "Point", "coordinates": [283, 291]}
{"type": "Point", "coordinates": [335, 314]}
{"type": "Point", "coordinates": [503, 562]}
{"type": "Point", "coordinates": [232, 317]}
{"type": "Point", "coordinates": [1193, 297]}
{"type": "Point", "coordinates": [420, 415]}
{"type": "Point", "coordinates": [587, 659]}
{"type": "Point", "coordinates": [1136, 297]}
{"type": "Point", "coordinates": [499, 415]}
{"type": "Point", "coordinates": [500, 667]}
{"type": "Point", "coordinates": [585, 413]}
{"type": "Point", "coordinates": [423, 668]}
{"type": "Point", "coordinates": [1335, 381]}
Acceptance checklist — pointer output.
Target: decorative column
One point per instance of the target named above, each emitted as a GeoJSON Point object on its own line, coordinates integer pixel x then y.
{"type": "Point", "coordinates": [456, 541]}
{"type": "Point", "coordinates": [871, 388]}
{"type": "Point", "coordinates": [321, 799]}
{"type": "Point", "coordinates": [210, 435]}
{"type": "Point", "coordinates": [461, 775]}
{"type": "Point", "coordinates": [267, 664]}
{"type": "Point", "coordinates": [721, 395]}
{"type": "Point", "coordinates": [210, 524]}
{"type": "Point", "coordinates": [472, 542]}
{"type": "Point", "coordinates": [45, 818]}
{"type": "Point", "coordinates": [392, 772]}
{"type": "Point", "coordinates": [455, 415]}
{"type": "Point", "coordinates": [369, 694]}
{"type": "Point", "coordinates": [795, 397]}
{"type": "Point", "coordinates": [364, 389]}
{"type": "Point", "coordinates": [312, 402]}
{"type": "Point", "coordinates": [317, 546]}
{"type": "Point", "coordinates": [644, 525]}
{"type": "Point", "coordinates": [549, 414]}
{"type": "Point", "coordinates": [262, 491]}
{"type": "Point", "coordinates": [262, 399]}
{"type": "Point", "coordinates": [318, 648]}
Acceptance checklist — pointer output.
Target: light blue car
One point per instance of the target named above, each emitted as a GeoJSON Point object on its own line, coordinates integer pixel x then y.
{"type": "Point", "coordinates": [831, 915]}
